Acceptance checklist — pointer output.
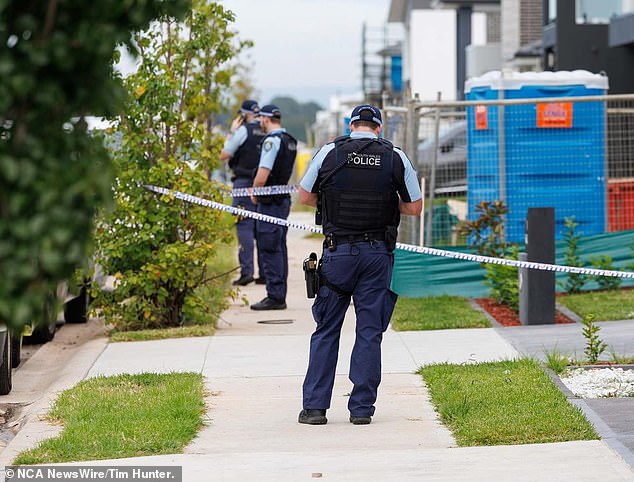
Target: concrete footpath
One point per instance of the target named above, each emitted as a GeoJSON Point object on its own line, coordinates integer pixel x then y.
{"type": "Point", "coordinates": [254, 368]}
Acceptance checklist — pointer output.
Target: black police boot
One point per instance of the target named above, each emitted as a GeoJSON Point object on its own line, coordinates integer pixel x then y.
{"type": "Point", "coordinates": [360, 420]}
{"type": "Point", "coordinates": [269, 304]}
{"type": "Point", "coordinates": [313, 417]}
{"type": "Point", "coordinates": [243, 280]}
{"type": "Point", "coordinates": [260, 281]}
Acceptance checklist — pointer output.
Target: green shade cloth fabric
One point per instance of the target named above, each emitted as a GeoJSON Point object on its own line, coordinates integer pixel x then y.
{"type": "Point", "coordinates": [417, 275]}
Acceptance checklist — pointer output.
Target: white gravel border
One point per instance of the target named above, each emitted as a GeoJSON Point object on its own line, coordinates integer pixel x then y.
{"type": "Point", "coordinates": [599, 382]}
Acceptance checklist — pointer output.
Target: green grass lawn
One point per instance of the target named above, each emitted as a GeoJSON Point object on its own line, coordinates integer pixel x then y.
{"type": "Point", "coordinates": [500, 403]}
{"type": "Point", "coordinates": [606, 305]}
{"type": "Point", "coordinates": [436, 313]}
{"type": "Point", "coordinates": [163, 333]}
{"type": "Point", "coordinates": [123, 416]}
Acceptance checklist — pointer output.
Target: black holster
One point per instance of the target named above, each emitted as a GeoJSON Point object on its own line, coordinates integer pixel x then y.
{"type": "Point", "coordinates": [391, 233]}
{"type": "Point", "coordinates": [311, 275]}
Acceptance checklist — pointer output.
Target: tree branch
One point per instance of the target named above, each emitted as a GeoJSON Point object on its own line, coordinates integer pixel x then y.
{"type": "Point", "coordinates": [49, 21]}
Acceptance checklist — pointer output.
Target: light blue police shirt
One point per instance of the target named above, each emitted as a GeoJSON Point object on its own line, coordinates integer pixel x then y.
{"type": "Point", "coordinates": [270, 148]}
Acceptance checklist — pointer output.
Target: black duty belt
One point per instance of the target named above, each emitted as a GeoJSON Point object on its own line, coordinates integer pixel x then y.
{"type": "Point", "coordinates": [355, 238]}
{"type": "Point", "coordinates": [332, 240]}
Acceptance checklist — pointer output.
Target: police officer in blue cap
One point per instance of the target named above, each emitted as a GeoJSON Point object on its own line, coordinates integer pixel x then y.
{"type": "Point", "coordinates": [277, 158]}
{"type": "Point", "coordinates": [242, 150]}
{"type": "Point", "coordinates": [360, 184]}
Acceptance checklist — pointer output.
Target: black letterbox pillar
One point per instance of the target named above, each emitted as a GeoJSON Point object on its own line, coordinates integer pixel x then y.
{"type": "Point", "coordinates": [537, 287]}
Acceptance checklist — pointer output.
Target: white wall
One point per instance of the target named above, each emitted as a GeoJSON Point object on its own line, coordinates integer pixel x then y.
{"type": "Point", "coordinates": [431, 63]}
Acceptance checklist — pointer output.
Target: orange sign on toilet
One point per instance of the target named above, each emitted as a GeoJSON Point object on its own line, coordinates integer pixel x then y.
{"type": "Point", "coordinates": [481, 117]}
{"type": "Point", "coordinates": [554, 114]}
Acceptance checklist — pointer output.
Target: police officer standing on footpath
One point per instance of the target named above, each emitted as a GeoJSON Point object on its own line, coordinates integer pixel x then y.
{"type": "Point", "coordinates": [277, 158]}
{"type": "Point", "coordinates": [361, 184]}
{"type": "Point", "coordinates": [242, 150]}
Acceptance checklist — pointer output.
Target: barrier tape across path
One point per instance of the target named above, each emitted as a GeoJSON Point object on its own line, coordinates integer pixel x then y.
{"type": "Point", "coordinates": [405, 247]}
{"type": "Point", "coordinates": [262, 191]}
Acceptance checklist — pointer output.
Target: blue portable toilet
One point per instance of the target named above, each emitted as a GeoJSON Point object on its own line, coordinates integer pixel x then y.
{"type": "Point", "coordinates": [541, 154]}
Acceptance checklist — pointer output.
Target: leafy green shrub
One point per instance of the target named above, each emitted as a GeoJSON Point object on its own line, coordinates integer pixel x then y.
{"type": "Point", "coordinates": [487, 237]}
{"type": "Point", "coordinates": [503, 281]}
{"type": "Point", "coordinates": [55, 64]}
{"type": "Point", "coordinates": [574, 281]}
{"type": "Point", "coordinates": [158, 247]}
{"type": "Point", "coordinates": [605, 282]}
{"type": "Point", "coordinates": [486, 233]}
{"type": "Point", "coordinates": [630, 264]}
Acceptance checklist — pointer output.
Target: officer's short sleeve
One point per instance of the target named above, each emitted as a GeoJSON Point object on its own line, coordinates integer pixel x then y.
{"type": "Point", "coordinates": [238, 138]}
{"type": "Point", "coordinates": [406, 178]}
{"type": "Point", "coordinates": [309, 181]}
{"type": "Point", "coordinates": [270, 148]}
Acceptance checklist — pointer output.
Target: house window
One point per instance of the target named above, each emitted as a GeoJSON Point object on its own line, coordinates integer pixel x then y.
{"type": "Point", "coordinates": [597, 11]}
{"type": "Point", "coordinates": [552, 11]}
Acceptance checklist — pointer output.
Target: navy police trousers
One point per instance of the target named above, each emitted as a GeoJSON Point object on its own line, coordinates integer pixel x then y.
{"type": "Point", "coordinates": [245, 228]}
{"type": "Point", "coordinates": [271, 240]}
{"type": "Point", "coordinates": [363, 269]}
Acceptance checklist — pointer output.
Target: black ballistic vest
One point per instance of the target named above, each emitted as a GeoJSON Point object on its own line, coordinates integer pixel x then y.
{"type": "Point", "coordinates": [359, 197]}
{"type": "Point", "coordinates": [283, 166]}
{"type": "Point", "coordinates": [245, 160]}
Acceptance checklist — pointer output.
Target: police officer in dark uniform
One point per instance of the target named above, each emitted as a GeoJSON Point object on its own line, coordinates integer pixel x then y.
{"type": "Point", "coordinates": [242, 150]}
{"type": "Point", "coordinates": [277, 159]}
{"type": "Point", "coordinates": [361, 184]}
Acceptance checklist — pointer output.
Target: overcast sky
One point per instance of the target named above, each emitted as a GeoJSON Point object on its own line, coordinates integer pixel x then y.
{"type": "Point", "coordinates": [306, 49]}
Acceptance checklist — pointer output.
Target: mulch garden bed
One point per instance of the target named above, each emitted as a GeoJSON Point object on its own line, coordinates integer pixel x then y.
{"type": "Point", "coordinates": [505, 316]}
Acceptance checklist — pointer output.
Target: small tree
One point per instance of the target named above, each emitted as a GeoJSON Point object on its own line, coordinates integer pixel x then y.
{"type": "Point", "coordinates": [159, 247]}
{"type": "Point", "coordinates": [594, 345]}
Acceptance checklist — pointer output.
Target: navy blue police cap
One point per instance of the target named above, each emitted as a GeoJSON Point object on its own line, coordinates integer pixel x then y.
{"type": "Point", "coordinates": [271, 110]}
{"type": "Point", "coordinates": [366, 112]}
{"type": "Point", "coordinates": [250, 107]}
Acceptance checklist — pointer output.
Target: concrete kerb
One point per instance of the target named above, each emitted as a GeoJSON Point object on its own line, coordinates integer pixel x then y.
{"type": "Point", "coordinates": [603, 429]}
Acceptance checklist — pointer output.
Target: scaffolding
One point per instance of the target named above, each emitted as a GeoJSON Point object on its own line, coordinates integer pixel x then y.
{"type": "Point", "coordinates": [379, 45]}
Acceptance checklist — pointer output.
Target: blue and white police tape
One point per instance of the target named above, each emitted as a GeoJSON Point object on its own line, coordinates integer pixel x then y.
{"type": "Point", "coordinates": [405, 247]}
{"type": "Point", "coordinates": [263, 191]}
{"type": "Point", "coordinates": [230, 209]}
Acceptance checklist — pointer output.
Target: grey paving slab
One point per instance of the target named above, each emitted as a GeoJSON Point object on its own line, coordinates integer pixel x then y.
{"type": "Point", "coordinates": [456, 346]}
{"type": "Point", "coordinates": [256, 414]}
{"type": "Point", "coordinates": [590, 461]}
{"type": "Point", "coordinates": [537, 340]}
{"type": "Point", "coordinates": [256, 356]}
{"type": "Point", "coordinates": [617, 413]}
{"type": "Point", "coordinates": [158, 356]}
